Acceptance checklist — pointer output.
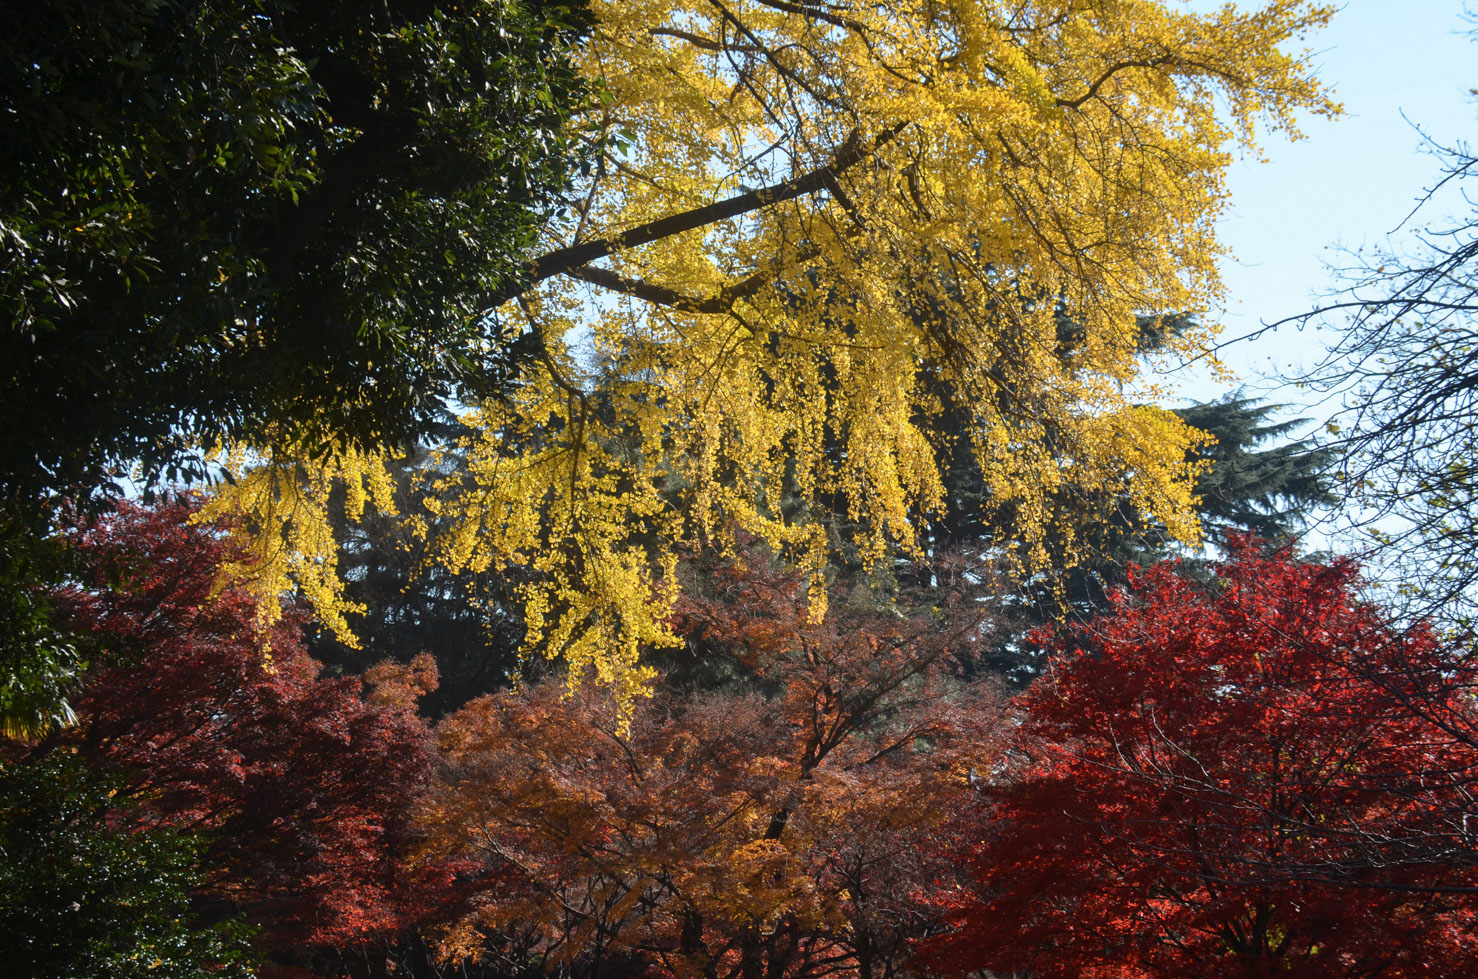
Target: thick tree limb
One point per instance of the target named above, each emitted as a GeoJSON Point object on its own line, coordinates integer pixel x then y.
{"type": "Point", "coordinates": [564, 261]}
{"type": "Point", "coordinates": [721, 302]}
{"type": "Point", "coordinates": [656, 294]}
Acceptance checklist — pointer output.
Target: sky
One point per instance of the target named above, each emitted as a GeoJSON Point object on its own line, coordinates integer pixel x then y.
{"type": "Point", "coordinates": [1349, 182]}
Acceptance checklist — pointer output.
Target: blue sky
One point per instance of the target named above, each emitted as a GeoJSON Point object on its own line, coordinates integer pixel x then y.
{"type": "Point", "coordinates": [1348, 183]}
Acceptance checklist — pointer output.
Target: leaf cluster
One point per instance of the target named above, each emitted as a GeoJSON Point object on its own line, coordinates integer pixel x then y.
{"type": "Point", "coordinates": [296, 788]}
{"type": "Point", "coordinates": [776, 824]}
{"type": "Point", "coordinates": [262, 221]}
{"type": "Point", "coordinates": [80, 897]}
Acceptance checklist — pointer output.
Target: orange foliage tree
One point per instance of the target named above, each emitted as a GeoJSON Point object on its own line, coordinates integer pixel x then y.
{"type": "Point", "coordinates": [774, 827]}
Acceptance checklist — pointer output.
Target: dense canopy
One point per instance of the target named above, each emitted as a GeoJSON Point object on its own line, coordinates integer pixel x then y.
{"type": "Point", "coordinates": [262, 221]}
{"type": "Point", "coordinates": [1253, 777]}
{"type": "Point", "coordinates": [788, 369]}
{"type": "Point", "coordinates": [816, 228]}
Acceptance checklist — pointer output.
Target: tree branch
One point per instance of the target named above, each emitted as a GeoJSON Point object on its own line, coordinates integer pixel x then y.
{"type": "Point", "coordinates": [1156, 62]}
{"type": "Point", "coordinates": [564, 261]}
{"type": "Point", "coordinates": [651, 292]}
{"type": "Point", "coordinates": [721, 302]}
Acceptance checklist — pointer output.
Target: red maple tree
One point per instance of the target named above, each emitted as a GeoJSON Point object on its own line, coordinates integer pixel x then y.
{"type": "Point", "coordinates": [1253, 778]}
{"type": "Point", "coordinates": [301, 785]}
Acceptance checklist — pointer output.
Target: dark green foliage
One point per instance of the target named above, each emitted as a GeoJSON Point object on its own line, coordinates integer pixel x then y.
{"type": "Point", "coordinates": [39, 662]}
{"type": "Point", "coordinates": [249, 219]}
{"type": "Point", "coordinates": [262, 220]}
{"type": "Point", "coordinates": [83, 896]}
{"type": "Point", "coordinates": [1269, 492]}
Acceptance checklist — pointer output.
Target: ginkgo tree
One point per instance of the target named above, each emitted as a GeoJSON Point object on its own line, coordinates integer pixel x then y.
{"type": "Point", "coordinates": [815, 224]}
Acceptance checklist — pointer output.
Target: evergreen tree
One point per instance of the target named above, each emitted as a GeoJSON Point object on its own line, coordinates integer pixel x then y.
{"type": "Point", "coordinates": [261, 220]}
{"type": "Point", "coordinates": [1269, 491]}
{"type": "Point", "coordinates": [1250, 486]}
{"type": "Point", "coordinates": [84, 898]}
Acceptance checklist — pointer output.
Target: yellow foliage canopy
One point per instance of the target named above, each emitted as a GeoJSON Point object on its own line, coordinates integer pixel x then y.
{"type": "Point", "coordinates": [826, 224]}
